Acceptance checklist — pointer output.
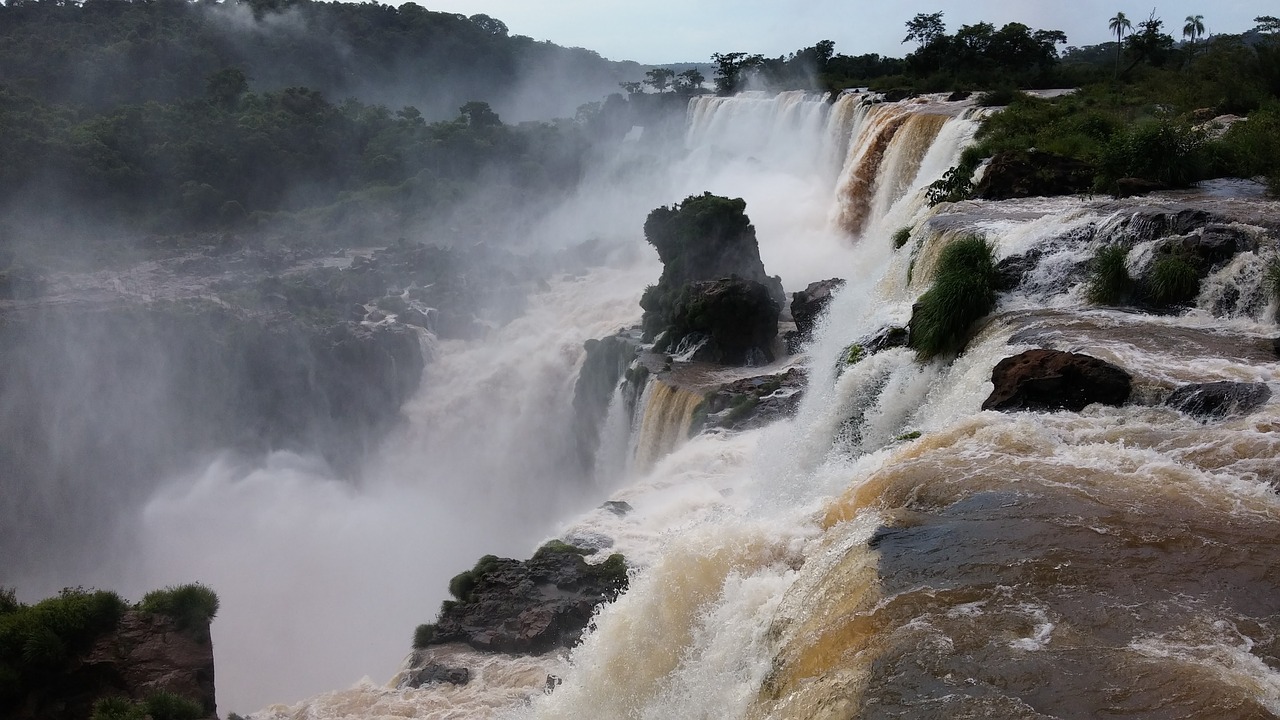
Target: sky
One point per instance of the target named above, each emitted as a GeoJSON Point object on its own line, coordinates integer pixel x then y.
{"type": "Point", "coordinates": [669, 31]}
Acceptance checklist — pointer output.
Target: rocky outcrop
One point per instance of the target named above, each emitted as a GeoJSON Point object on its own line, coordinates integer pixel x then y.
{"type": "Point", "coordinates": [606, 362]}
{"type": "Point", "coordinates": [1033, 173]}
{"type": "Point", "coordinates": [734, 321]}
{"type": "Point", "coordinates": [143, 655]}
{"type": "Point", "coordinates": [1055, 380]}
{"type": "Point", "coordinates": [711, 280]}
{"type": "Point", "coordinates": [806, 307]}
{"type": "Point", "coordinates": [752, 402]}
{"type": "Point", "coordinates": [527, 606]}
{"type": "Point", "coordinates": [1217, 400]}
{"type": "Point", "coordinates": [425, 672]}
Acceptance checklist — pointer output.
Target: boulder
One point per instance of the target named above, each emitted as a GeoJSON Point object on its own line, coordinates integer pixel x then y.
{"type": "Point", "coordinates": [808, 305]}
{"type": "Point", "coordinates": [739, 318]}
{"type": "Point", "coordinates": [752, 402]}
{"type": "Point", "coordinates": [528, 606]}
{"type": "Point", "coordinates": [1055, 380]}
{"type": "Point", "coordinates": [1216, 400]}
{"type": "Point", "coordinates": [433, 673]}
{"type": "Point", "coordinates": [1033, 173]}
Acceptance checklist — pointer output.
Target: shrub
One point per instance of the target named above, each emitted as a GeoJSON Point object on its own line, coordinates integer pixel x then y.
{"type": "Point", "coordinates": [117, 708]}
{"type": "Point", "coordinates": [998, 97]}
{"type": "Point", "coordinates": [1160, 151]}
{"type": "Point", "coordinates": [1173, 280]}
{"type": "Point", "coordinates": [901, 237]}
{"type": "Point", "coordinates": [164, 705]}
{"type": "Point", "coordinates": [422, 635]}
{"type": "Point", "coordinates": [1109, 280]}
{"type": "Point", "coordinates": [189, 606]}
{"type": "Point", "coordinates": [464, 583]}
{"type": "Point", "coordinates": [559, 546]}
{"type": "Point", "coordinates": [963, 291]}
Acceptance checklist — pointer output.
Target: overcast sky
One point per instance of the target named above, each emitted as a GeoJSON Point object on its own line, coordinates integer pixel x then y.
{"type": "Point", "coordinates": [665, 31]}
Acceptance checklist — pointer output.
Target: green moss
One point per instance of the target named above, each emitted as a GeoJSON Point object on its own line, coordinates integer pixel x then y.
{"type": "Point", "coordinates": [740, 407]}
{"type": "Point", "coordinates": [462, 584]}
{"type": "Point", "coordinates": [901, 237]}
{"type": "Point", "coordinates": [558, 547]}
{"type": "Point", "coordinates": [422, 635]}
{"type": "Point", "coordinates": [613, 570]}
{"type": "Point", "coordinates": [1109, 280]}
{"type": "Point", "coordinates": [190, 605]}
{"type": "Point", "coordinates": [852, 354]}
{"type": "Point", "coordinates": [1173, 280]}
{"type": "Point", "coordinates": [963, 291]}
{"type": "Point", "coordinates": [913, 435]}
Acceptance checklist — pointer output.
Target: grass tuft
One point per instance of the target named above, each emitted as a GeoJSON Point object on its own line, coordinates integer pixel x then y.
{"type": "Point", "coordinates": [1109, 280]}
{"type": "Point", "coordinates": [190, 606]}
{"type": "Point", "coordinates": [901, 237]}
{"type": "Point", "coordinates": [423, 635]}
{"type": "Point", "coordinates": [963, 291]}
{"type": "Point", "coordinates": [1173, 280]}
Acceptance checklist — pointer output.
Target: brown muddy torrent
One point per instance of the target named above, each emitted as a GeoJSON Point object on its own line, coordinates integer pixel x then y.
{"type": "Point", "coordinates": [1117, 564]}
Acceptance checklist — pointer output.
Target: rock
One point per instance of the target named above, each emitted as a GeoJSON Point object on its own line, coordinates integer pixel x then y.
{"type": "Point", "coordinates": [1213, 245]}
{"type": "Point", "coordinates": [959, 95]}
{"type": "Point", "coordinates": [606, 362]}
{"type": "Point", "coordinates": [435, 674]}
{"type": "Point", "coordinates": [1146, 225]}
{"type": "Point", "coordinates": [530, 606]}
{"type": "Point", "coordinates": [808, 305]}
{"type": "Point", "coordinates": [1216, 400]}
{"type": "Point", "coordinates": [588, 540]}
{"type": "Point", "coordinates": [617, 507]}
{"type": "Point", "coordinates": [1033, 173]}
{"type": "Point", "coordinates": [1055, 380]}
{"type": "Point", "coordinates": [890, 336]}
{"type": "Point", "coordinates": [740, 318]}
{"type": "Point", "coordinates": [1133, 187]}
{"type": "Point", "coordinates": [1011, 271]}
{"type": "Point", "coordinates": [752, 402]}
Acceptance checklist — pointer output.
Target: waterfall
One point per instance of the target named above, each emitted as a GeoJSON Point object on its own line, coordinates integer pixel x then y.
{"type": "Point", "coordinates": [665, 422]}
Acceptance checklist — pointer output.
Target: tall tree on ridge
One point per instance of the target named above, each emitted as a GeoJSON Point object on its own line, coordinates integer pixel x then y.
{"type": "Point", "coordinates": [1193, 29]}
{"type": "Point", "coordinates": [1119, 24]}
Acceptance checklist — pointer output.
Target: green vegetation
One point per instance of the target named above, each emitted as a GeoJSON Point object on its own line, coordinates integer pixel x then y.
{"type": "Point", "coordinates": [160, 705]}
{"type": "Point", "coordinates": [963, 291]}
{"type": "Point", "coordinates": [464, 583]}
{"type": "Point", "coordinates": [422, 635]}
{"type": "Point", "coordinates": [1109, 280]}
{"type": "Point", "coordinates": [913, 435]}
{"type": "Point", "coordinates": [901, 237]}
{"type": "Point", "coordinates": [740, 407]}
{"type": "Point", "coordinates": [1172, 280]}
{"type": "Point", "coordinates": [852, 354]}
{"type": "Point", "coordinates": [559, 546]}
{"type": "Point", "coordinates": [190, 606]}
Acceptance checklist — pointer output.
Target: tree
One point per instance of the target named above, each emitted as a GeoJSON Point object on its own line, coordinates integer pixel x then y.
{"type": "Point", "coordinates": [1149, 44]}
{"type": "Point", "coordinates": [690, 81]}
{"type": "Point", "coordinates": [1193, 29]}
{"type": "Point", "coordinates": [631, 87]}
{"type": "Point", "coordinates": [1119, 25]}
{"type": "Point", "coordinates": [660, 78]}
{"type": "Point", "coordinates": [478, 114]}
{"type": "Point", "coordinates": [492, 26]}
{"type": "Point", "coordinates": [1268, 24]}
{"type": "Point", "coordinates": [925, 28]}
{"type": "Point", "coordinates": [732, 68]}
{"type": "Point", "coordinates": [225, 87]}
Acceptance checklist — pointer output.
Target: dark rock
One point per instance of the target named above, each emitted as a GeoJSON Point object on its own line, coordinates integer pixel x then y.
{"type": "Point", "coordinates": [1011, 271]}
{"type": "Point", "coordinates": [606, 362]}
{"type": "Point", "coordinates": [897, 94]}
{"type": "Point", "coordinates": [1133, 187]}
{"type": "Point", "coordinates": [752, 402]}
{"type": "Point", "coordinates": [530, 606]}
{"type": "Point", "coordinates": [588, 540]}
{"type": "Point", "coordinates": [435, 674]}
{"type": "Point", "coordinates": [1033, 173]}
{"type": "Point", "coordinates": [145, 653]}
{"type": "Point", "coordinates": [959, 95]}
{"type": "Point", "coordinates": [890, 336]}
{"type": "Point", "coordinates": [808, 305]}
{"type": "Point", "coordinates": [740, 317]}
{"type": "Point", "coordinates": [617, 507]}
{"type": "Point", "coordinates": [1216, 400]}
{"type": "Point", "coordinates": [1146, 225]}
{"type": "Point", "coordinates": [1055, 380]}
{"type": "Point", "coordinates": [1212, 245]}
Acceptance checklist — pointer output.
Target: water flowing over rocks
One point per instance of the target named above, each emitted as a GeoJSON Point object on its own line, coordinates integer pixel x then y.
{"type": "Point", "coordinates": [1216, 400]}
{"type": "Point", "coordinates": [1055, 380]}
{"type": "Point", "coordinates": [528, 606]}
{"type": "Point", "coordinates": [606, 362]}
{"type": "Point", "coordinates": [807, 306]}
{"type": "Point", "coordinates": [752, 402]}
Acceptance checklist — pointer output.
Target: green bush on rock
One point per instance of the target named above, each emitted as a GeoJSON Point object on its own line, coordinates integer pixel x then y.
{"type": "Point", "coordinates": [1173, 280]}
{"type": "Point", "coordinates": [1109, 280]}
{"type": "Point", "coordinates": [963, 291]}
{"type": "Point", "coordinates": [188, 605]}
{"type": "Point", "coordinates": [901, 237]}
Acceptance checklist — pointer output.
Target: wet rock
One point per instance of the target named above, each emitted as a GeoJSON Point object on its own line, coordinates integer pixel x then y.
{"type": "Point", "coordinates": [588, 540]}
{"type": "Point", "coordinates": [1216, 400]}
{"type": "Point", "coordinates": [1134, 187]}
{"type": "Point", "coordinates": [1033, 173]}
{"type": "Point", "coordinates": [1055, 380]}
{"type": "Point", "coordinates": [808, 305]}
{"type": "Point", "coordinates": [1212, 245]}
{"type": "Point", "coordinates": [959, 95]}
{"type": "Point", "coordinates": [606, 363]}
{"type": "Point", "coordinates": [1146, 225]}
{"type": "Point", "coordinates": [1011, 271]}
{"type": "Point", "coordinates": [752, 402]}
{"type": "Point", "coordinates": [436, 674]}
{"type": "Point", "coordinates": [529, 606]}
{"type": "Point", "coordinates": [889, 336]}
{"type": "Point", "coordinates": [617, 507]}
{"type": "Point", "coordinates": [739, 318]}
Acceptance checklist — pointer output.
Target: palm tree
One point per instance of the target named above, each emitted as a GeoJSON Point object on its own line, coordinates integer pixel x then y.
{"type": "Point", "coordinates": [1193, 29]}
{"type": "Point", "coordinates": [1119, 24]}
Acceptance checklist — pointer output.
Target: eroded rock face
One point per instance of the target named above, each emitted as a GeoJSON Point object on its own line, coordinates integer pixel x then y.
{"type": "Point", "coordinates": [1056, 380]}
{"type": "Point", "coordinates": [753, 402]}
{"type": "Point", "coordinates": [740, 318]}
{"type": "Point", "coordinates": [1033, 174]}
{"type": "Point", "coordinates": [808, 305]}
{"type": "Point", "coordinates": [528, 606]}
{"type": "Point", "coordinates": [1216, 400]}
